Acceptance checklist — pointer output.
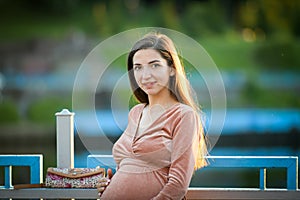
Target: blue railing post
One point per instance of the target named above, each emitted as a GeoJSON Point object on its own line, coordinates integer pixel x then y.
{"type": "Point", "coordinates": [292, 174]}
{"type": "Point", "coordinates": [7, 177]}
{"type": "Point", "coordinates": [262, 178]}
{"type": "Point", "coordinates": [36, 170]}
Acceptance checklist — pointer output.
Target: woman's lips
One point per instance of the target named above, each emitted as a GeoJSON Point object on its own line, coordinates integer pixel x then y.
{"type": "Point", "coordinates": [148, 85]}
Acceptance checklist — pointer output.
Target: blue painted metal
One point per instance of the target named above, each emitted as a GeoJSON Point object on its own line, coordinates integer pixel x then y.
{"type": "Point", "coordinates": [35, 162]}
{"type": "Point", "coordinates": [104, 161]}
{"type": "Point", "coordinates": [262, 178]}
{"type": "Point", "coordinates": [260, 162]}
{"type": "Point", "coordinates": [288, 162]}
{"type": "Point", "coordinates": [7, 177]}
{"type": "Point", "coordinates": [292, 174]}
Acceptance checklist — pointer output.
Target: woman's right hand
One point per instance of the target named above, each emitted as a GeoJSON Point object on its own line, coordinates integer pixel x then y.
{"type": "Point", "coordinates": [104, 182]}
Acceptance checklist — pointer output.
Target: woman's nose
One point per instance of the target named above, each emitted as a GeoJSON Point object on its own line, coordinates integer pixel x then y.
{"type": "Point", "coordinates": [147, 72]}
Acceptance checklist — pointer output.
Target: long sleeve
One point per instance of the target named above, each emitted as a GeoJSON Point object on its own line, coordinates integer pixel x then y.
{"type": "Point", "coordinates": [160, 162]}
{"type": "Point", "coordinates": [185, 138]}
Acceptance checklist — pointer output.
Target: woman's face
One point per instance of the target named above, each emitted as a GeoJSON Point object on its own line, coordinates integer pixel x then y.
{"type": "Point", "coordinates": [151, 71]}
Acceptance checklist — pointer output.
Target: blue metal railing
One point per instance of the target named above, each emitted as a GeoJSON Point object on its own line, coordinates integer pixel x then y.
{"type": "Point", "coordinates": [261, 162]}
{"type": "Point", "coordinates": [35, 162]}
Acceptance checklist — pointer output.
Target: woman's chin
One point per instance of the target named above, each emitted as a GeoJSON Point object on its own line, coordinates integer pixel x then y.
{"type": "Point", "coordinates": [151, 93]}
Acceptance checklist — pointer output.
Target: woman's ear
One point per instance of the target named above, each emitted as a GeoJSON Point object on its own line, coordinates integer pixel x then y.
{"type": "Point", "coordinates": [172, 71]}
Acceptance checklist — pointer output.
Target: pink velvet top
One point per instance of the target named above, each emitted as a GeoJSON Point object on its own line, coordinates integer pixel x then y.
{"type": "Point", "coordinates": [159, 163]}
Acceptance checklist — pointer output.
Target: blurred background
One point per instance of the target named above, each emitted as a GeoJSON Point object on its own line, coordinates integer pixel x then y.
{"type": "Point", "coordinates": [254, 43]}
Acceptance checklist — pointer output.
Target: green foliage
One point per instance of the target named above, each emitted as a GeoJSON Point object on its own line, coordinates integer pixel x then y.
{"type": "Point", "coordinates": [203, 19]}
{"type": "Point", "coordinates": [133, 101]}
{"type": "Point", "coordinates": [105, 18]}
{"type": "Point", "coordinates": [278, 55]}
{"type": "Point", "coordinates": [43, 110]}
{"type": "Point", "coordinates": [255, 96]}
{"type": "Point", "coordinates": [250, 35]}
{"type": "Point", "coordinates": [8, 112]}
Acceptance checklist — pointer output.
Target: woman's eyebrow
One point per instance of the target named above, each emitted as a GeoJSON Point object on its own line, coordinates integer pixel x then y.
{"type": "Point", "coordinates": [154, 61]}
{"type": "Point", "coordinates": [151, 62]}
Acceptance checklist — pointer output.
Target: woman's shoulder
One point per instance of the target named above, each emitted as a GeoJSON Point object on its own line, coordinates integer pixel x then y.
{"type": "Point", "coordinates": [137, 109]}
{"type": "Point", "coordinates": [183, 108]}
{"type": "Point", "coordinates": [187, 112]}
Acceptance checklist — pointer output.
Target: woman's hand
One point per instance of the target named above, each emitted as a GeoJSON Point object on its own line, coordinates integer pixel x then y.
{"type": "Point", "coordinates": [104, 182]}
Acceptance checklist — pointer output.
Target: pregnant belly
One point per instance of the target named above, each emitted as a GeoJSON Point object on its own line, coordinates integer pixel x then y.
{"type": "Point", "coordinates": [133, 186]}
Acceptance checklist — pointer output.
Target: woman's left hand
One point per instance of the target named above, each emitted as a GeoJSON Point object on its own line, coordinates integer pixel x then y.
{"type": "Point", "coordinates": [104, 182]}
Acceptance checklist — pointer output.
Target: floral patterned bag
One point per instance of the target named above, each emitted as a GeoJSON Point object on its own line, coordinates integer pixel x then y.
{"type": "Point", "coordinates": [73, 178]}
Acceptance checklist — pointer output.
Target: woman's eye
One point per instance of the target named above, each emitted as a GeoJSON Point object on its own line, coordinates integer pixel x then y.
{"type": "Point", "coordinates": [155, 65]}
{"type": "Point", "coordinates": [136, 68]}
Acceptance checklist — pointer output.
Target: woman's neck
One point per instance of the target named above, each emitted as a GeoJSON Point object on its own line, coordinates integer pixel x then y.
{"type": "Point", "coordinates": [165, 101]}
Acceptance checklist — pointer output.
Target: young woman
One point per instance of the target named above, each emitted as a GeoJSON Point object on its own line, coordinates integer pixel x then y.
{"type": "Point", "coordinates": [164, 141]}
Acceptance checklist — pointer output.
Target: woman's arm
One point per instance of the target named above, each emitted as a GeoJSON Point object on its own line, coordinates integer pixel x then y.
{"type": "Point", "coordinates": [185, 139]}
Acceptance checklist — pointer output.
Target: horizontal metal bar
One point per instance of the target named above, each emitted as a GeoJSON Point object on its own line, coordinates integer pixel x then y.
{"type": "Point", "coordinates": [192, 194]}
{"type": "Point", "coordinates": [20, 160]}
{"type": "Point", "coordinates": [221, 161]}
{"type": "Point", "coordinates": [252, 161]}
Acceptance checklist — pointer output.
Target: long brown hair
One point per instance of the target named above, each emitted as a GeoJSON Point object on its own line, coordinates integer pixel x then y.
{"type": "Point", "coordinates": [179, 86]}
